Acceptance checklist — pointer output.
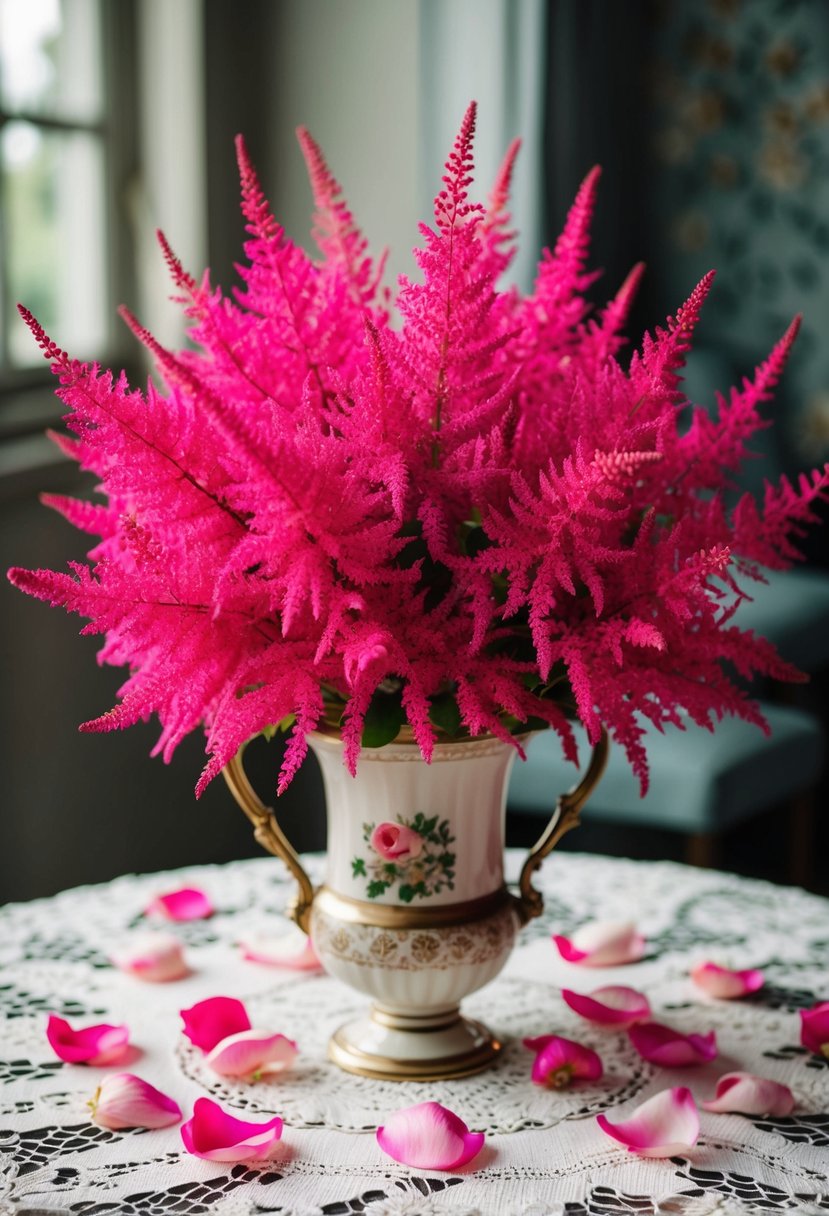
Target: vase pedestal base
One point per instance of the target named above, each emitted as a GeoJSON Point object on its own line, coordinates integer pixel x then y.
{"type": "Point", "coordinates": [393, 1045]}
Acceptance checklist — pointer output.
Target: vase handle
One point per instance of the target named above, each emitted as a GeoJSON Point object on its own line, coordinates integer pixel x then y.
{"type": "Point", "coordinates": [269, 834]}
{"type": "Point", "coordinates": [529, 902]}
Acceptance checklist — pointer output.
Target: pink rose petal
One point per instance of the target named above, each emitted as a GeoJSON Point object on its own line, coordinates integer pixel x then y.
{"type": "Point", "coordinates": [395, 842]}
{"type": "Point", "coordinates": [251, 1053]}
{"type": "Point", "coordinates": [214, 1135]}
{"type": "Point", "coordinates": [661, 1045]}
{"type": "Point", "coordinates": [720, 982]}
{"type": "Point", "coordinates": [429, 1137]}
{"type": "Point", "coordinates": [746, 1094]}
{"type": "Point", "coordinates": [208, 1022]}
{"type": "Point", "coordinates": [95, 1045]}
{"type": "Point", "coordinates": [664, 1126]}
{"type": "Point", "coordinates": [602, 944]}
{"type": "Point", "coordinates": [155, 958]}
{"type": "Point", "coordinates": [814, 1028]}
{"type": "Point", "coordinates": [187, 904]}
{"type": "Point", "coordinates": [610, 1006]}
{"type": "Point", "coordinates": [559, 1061]}
{"type": "Point", "coordinates": [294, 951]}
{"type": "Point", "coordinates": [123, 1100]}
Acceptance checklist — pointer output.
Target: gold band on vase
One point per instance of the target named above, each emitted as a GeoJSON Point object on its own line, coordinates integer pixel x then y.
{"type": "Point", "coordinates": [401, 916]}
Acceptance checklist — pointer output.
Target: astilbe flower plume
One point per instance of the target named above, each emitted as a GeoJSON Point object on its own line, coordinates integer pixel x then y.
{"type": "Point", "coordinates": [472, 517]}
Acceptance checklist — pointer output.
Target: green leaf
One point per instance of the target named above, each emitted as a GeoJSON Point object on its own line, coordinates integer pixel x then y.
{"type": "Point", "coordinates": [375, 888]}
{"type": "Point", "coordinates": [444, 713]}
{"type": "Point", "coordinates": [390, 868]}
{"type": "Point", "coordinates": [281, 727]}
{"type": "Point", "coordinates": [358, 868]}
{"type": "Point", "coordinates": [406, 893]}
{"type": "Point", "coordinates": [384, 717]}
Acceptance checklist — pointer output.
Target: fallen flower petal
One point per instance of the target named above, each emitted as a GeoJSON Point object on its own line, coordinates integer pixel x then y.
{"type": "Point", "coordinates": [746, 1094]}
{"type": "Point", "coordinates": [96, 1045]}
{"type": "Point", "coordinates": [429, 1137]}
{"type": "Point", "coordinates": [208, 1022]}
{"type": "Point", "coordinates": [661, 1045]}
{"type": "Point", "coordinates": [610, 1006]}
{"type": "Point", "coordinates": [214, 1135]}
{"type": "Point", "coordinates": [124, 1100]}
{"type": "Point", "coordinates": [559, 1061]}
{"type": "Point", "coordinates": [665, 1125]}
{"type": "Point", "coordinates": [602, 944]}
{"type": "Point", "coordinates": [720, 982]}
{"type": "Point", "coordinates": [814, 1028]}
{"type": "Point", "coordinates": [187, 904]}
{"type": "Point", "coordinates": [252, 1052]}
{"type": "Point", "coordinates": [294, 951]}
{"type": "Point", "coordinates": [396, 842]}
{"type": "Point", "coordinates": [155, 958]}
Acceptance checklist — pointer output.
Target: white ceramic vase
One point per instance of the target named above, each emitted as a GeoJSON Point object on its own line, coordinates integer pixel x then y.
{"type": "Point", "coordinates": [414, 911]}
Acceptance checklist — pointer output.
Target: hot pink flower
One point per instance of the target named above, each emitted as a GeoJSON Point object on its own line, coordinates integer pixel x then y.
{"type": "Point", "coordinates": [187, 904]}
{"type": "Point", "coordinates": [661, 1045]}
{"type": "Point", "coordinates": [613, 1005]}
{"type": "Point", "coordinates": [154, 958]}
{"type": "Point", "coordinates": [124, 1100]}
{"type": "Point", "coordinates": [293, 951]}
{"type": "Point", "coordinates": [395, 842]}
{"type": "Point", "coordinates": [251, 1053]}
{"type": "Point", "coordinates": [216, 1136]}
{"type": "Point", "coordinates": [559, 1061]}
{"type": "Point", "coordinates": [602, 944]}
{"type": "Point", "coordinates": [664, 1126]}
{"type": "Point", "coordinates": [208, 1022]}
{"type": "Point", "coordinates": [429, 1137]}
{"type": "Point", "coordinates": [814, 1028]}
{"type": "Point", "coordinates": [720, 982]}
{"type": "Point", "coordinates": [746, 1094]}
{"type": "Point", "coordinates": [95, 1045]}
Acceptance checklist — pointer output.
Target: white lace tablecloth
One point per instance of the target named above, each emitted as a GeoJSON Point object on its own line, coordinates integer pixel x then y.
{"type": "Point", "coordinates": [544, 1153]}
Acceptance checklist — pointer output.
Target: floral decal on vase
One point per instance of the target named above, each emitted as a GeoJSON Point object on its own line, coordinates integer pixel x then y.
{"type": "Point", "coordinates": [412, 854]}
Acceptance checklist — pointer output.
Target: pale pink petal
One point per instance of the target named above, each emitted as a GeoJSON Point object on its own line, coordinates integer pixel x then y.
{"type": "Point", "coordinates": [123, 1100]}
{"type": "Point", "coordinates": [664, 1126]}
{"type": "Point", "coordinates": [293, 951]}
{"type": "Point", "coordinates": [252, 1052]}
{"type": "Point", "coordinates": [187, 904]}
{"type": "Point", "coordinates": [429, 1137]}
{"type": "Point", "coordinates": [613, 1005]}
{"type": "Point", "coordinates": [208, 1022]}
{"type": "Point", "coordinates": [746, 1094]}
{"type": "Point", "coordinates": [213, 1134]}
{"type": "Point", "coordinates": [559, 1061]}
{"type": "Point", "coordinates": [602, 944]}
{"type": "Point", "coordinates": [814, 1028]}
{"type": "Point", "coordinates": [155, 958]}
{"type": "Point", "coordinates": [661, 1045]}
{"type": "Point", "coordinates": [96, 1045]}
{"type": "Point", "coordinates": [394, 842]}
{"type": "Point", "coordinates": [720, 982]}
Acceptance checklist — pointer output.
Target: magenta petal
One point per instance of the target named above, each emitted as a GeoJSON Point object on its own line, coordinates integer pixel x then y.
{"type": "Point", "coordinates": [814, 1028]}
{"type": "Point", "coordinates": [187, 904]}
{"type": "Point", "coordinates": [559, 1061]}
{"type": "Point", "coordinates": [720, 982]}
{"type": "Point", "coordinates": [661, 1045]}
{"type": "Point", "coordinates": [602, 944]}
{"type": "Point", "coordinates": [96, 1045]}
{"type": "Point", "coordinates": [124, 1100]}
{"type": "Point", "coordinates": [745, 1094]}
{"type": "Point", "coordinates": [252, 1052]}
{"type": "Point", "coordinates": [216, 1136]}
{"type": "Point", "coordinates": [613, 1005]}
{"type": "Point", "coordinates": [665, 1125]}
{"type": "Point", "coordinates": [208, 1022]}
{"type": "Point", "coordinates": [429, 1137]}
{"type": "Point", "coordinates": [293, 951]}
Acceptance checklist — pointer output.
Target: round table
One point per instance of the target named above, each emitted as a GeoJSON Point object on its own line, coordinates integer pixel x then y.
{"type": "Point", "coordinates": [544, 1152]}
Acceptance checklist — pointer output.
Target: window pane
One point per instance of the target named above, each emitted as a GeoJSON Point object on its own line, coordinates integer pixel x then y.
{"type": "Point", "coordinates": [55, 239]}
{"type": "Point", "coordinates": [50, 58]}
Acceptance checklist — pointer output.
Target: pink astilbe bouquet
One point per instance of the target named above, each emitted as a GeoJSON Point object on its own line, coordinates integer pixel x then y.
{"type": "Point", "coordinates": [473, 518]}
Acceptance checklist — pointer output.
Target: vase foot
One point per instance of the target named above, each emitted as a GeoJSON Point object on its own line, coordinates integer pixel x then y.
{"type": "Point", "coordinates": [390, 1045]}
